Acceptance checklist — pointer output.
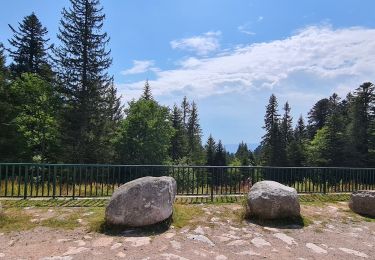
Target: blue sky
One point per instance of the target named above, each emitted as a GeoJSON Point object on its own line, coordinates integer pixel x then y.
{"type": "Point", "coordinates": [229, 56]}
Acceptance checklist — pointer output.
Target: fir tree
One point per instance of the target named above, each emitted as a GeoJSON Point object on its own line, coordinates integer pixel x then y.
{"type": "Point", "coordinates": [318, 116]}
{"type": "Point", "coordinates": [210, 151]}
{"type": "Point", "coordinates": [194, 134]}
{"type": "Point", "coordinates": [286, 132]}
{"type": "Point", "coordinates": [178, 141]}
{"type": "Point", "coordinates": [271, 141]}
{"type": "Point", "coordinates": [147, 95]}
{"type": "Point", "coordinates": [185, 107]}
{"type": "Point", "coordinates": [87, 89]}
{"type": "Point", "coordinates": [220, 155]}
{"type": "Point", "coordinates": [30, 48]}
{"type": "Point", "coordinates": [244, 155]}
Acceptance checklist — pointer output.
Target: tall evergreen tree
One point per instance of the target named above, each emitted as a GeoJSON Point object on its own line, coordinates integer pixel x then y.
{"type": "Point", "coordinates": [83, 61]}
{"type": "Point", "coordinates": [194, 135]}
{"type": "Point", "coordinates": [178, 141]}
{"type": "Point", "coordinates": [244, 155]}
{"type": "Point", "coordinates": [147, 92]}
{"type": "Point", "coordinates": [296, 150]}
{"type": "Point", "coordinates": [286, 131]}
{"type": "Point", "coordinates": [210, 151]}
{"type": "Point", "coordinates": [30, 47]}
{"type": "Point", "coordinates": [185, 107]}
{"type": "Point", "coordinates": [271, 141]}
{"type": "Point", "coordinates": [220, 155]}
{"type": "Point", "coordinates": [361, 117]}
{"type": "Point", "coordinates": [318, 116]}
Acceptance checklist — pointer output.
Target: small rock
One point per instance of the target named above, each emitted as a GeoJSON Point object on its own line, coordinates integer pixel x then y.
{"type": "Point", "coordinates": [221, 257]}
{"type": "Point", "coordinates": [199, 230]}
{"type": "Point", "coordinates": [63, 240]}
{"type": "Point", "coordinates": [271, 229]}
{"type": "Point", "coordinates": [87, 237]}
{"type": "Point", "coordinates": [248, 252]}
{"type": "Point", "coordinates": [316, 249]}
{"type": "Point", "coordinates": [115, 246]}
{"type": "Point", "coordinates": [173, 257]}
{"type": "Point", "coordinates": [260, 242]}
{"type": "Point", "coordinates": [80, 242]}
{"type": "Point", "coordinates": [103, 241]}
{"type": "Point", "coordinates": [138, 241]}
{"type": "Point", "coordinates": [287, 239]}
{"type": "Point", "coordinates": [353, 252]}
{"type": "Point", "coordinates": [201, 238]}
{"type": "Point", "coordinates": [2, 255]}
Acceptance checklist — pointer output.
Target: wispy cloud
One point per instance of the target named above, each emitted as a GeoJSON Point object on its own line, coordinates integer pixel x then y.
{"type": "Point", "coordinates": [200, 44]}
{"type": "Point", "coordinates": [313, 61]}
{"type": "Point", "coordinates": [245, 28]}
{"type": "Point", "coordinates": [139, 66]}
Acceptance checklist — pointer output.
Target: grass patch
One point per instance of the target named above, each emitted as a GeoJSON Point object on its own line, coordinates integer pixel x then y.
{"type": "Point", "coordinates": [14, 220]}
{"type": "Point", "coordinates": [183, 214]}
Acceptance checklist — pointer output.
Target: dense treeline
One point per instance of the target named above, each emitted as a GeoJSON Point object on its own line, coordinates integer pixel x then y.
{"type": "Point", "coordinates": [59, 104]}
{"type": "Point", "coordinates": [338, 133]}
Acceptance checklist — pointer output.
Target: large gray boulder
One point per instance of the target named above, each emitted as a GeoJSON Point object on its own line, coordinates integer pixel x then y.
{"type": "Point", "coordinates": [142, 202]}
{"type": "Point", "coordinates": [272, 200]}
{"type": "Point", "coordinates": [363, 202]}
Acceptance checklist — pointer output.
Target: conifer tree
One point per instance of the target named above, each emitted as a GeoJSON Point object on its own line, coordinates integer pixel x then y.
{"type": "Point", "coordinates": [318, 116]}
{"type": "Point", "coordinates": [87, 89]}
{"type": "Point", "coordinates": [178, 140]}
{"type": "Point", "coordinates": [210, 151]}
{"type": "Point", "coordinates": [286, 132]}
{"type": "Point", "coordinates": [220, 155]}
{"type": "Point", "coordinates": [244, 155]}
{"type": "Point", "coordinates": [185, 107]}
{"type": "Point", "coordinates": [296, 150]}
{"type": "Point", "coordinates": [147, 92]}
{"type": "Point", "coordinates": [271, 141]}
{"type": "Point", "coordinates": [194, 135]}
{"type": "Point", "coordinates": [30, 47]}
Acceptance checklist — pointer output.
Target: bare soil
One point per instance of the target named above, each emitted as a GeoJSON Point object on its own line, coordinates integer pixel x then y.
{"type": "Point", "coordinates": [333, 232]}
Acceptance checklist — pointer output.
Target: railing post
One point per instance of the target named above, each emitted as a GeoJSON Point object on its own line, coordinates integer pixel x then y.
{"type": "Point", "coordinates": [212, 184]}
{"type": "Point", "coordinates": [54, 183]}
{"type": "Point", "coordinates": [325, 181]}
{"type": "Point", "coordinates": [25, 184]}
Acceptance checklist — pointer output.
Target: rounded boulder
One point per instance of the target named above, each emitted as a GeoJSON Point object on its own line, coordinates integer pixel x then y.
{"type": "Point", "coordinates": [363, 202]}
{"type": "Point", "coordinates": [142, 202]}
{"type": "Point", "coordinates": [272, 200]}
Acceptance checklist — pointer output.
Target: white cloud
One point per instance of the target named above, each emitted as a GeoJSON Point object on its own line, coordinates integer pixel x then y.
{"type": "Point", "coordinates": [313, 62]}
{"type": "Point", "coordinates": [245, 28]}
{"type": "Point", "coordinates": [201, 44]}
{"type": "Point", "coordinates": [139, 66]}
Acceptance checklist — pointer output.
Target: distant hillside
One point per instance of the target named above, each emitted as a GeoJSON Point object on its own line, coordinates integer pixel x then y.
{"type": "Point", "coordinates": [232, 148]}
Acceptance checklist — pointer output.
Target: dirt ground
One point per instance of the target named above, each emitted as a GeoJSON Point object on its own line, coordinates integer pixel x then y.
{"type": "Point", "coordinates": [331, 231]}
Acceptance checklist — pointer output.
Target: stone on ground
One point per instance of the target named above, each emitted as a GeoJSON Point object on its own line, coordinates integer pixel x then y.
{"type": "Point", "coordinates": [142, 202]}
{"type": "Point", "coordinates": [272, 200]}
{"type": "Point", "coordinates": [363, 202]}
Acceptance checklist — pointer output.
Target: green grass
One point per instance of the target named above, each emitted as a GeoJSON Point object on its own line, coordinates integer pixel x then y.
{"type": "Point", "coordinates": [13, 220]}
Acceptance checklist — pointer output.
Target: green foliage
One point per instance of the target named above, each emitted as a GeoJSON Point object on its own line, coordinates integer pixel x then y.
{"type": "Point", "coordinates": [145, 134]}
{"type": "Point", "coordinates": [210, 151]}
{"type": "Point", "coordinates": [36, 119]}
{"type": "Point", "coordinates": [178, 148]}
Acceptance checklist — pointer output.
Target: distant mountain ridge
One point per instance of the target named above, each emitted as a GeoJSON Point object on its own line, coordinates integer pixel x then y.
{"type": "Point", "coordinates": [232, 148]}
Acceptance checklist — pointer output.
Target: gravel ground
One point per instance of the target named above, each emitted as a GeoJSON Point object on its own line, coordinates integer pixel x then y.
{"type": "Point", "coordinates": [334, 232]}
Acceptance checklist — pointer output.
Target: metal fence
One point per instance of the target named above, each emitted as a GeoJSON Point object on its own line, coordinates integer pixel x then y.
{"type": "Point", "coordinates": [84, 180]}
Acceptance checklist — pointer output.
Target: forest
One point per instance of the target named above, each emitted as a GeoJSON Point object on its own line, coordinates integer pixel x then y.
{"type": "Point", "coordinates": [59, 104]}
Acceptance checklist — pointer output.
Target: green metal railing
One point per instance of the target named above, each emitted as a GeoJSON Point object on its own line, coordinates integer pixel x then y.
{"type": "Point", "coordinates": [26, 180]}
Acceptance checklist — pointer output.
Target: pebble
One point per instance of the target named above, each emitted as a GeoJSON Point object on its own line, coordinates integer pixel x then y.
{"type": "Point", "coordinates": [248, 252]}
{"type": "Point", "coordinates": [199, 230]}
{"type": "Point", "coordinates": [201, 238]}
{"type": "Point", "coordinates": [316, 249]}
{"type": "Point", "coordinates": [80, 242]}
{"type": "Point", "coordinates": [2, 255]}
{"type": "Point", "coordinates": [260, 242]}
{"type": "Point", "coordinates": [353, 252]}
{"type": "Point", "coordinates": [115, 246]}
{"type": "Point", "coordinates": [103, 241]}
{"type": "Point", "coordinates": [285, 238]}
{"type": "Point", "coordinates": [63, 240]}
{"type": "Point", "coordinates": [87, 237]}
{"type": "Point", "coordinates": [221, 257]}
{"type": "Point", "coordinates": [138, 241]}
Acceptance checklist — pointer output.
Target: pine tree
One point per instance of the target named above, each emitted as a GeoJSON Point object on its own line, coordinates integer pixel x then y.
{"type": "Point", "coordinates": [86, 87]}
{"type": "Point", "coordinates": [30, 48]}
{"type": "Point", "coordinates": [210, 151]}
{"type": "Point", "coordinates": [178, 141]}
{"type": "Point", "coordinates": [361, 122]}
{"type": "Point", "coordinates": [244, 155]}
{"type": "Point", "coordinates": [318, 116]}
{"type": "Point", "coordinates": [286, 132]}
{"type": "Point", "coordinates": [185, 107]}
{"type": "Point", "coordinates": [220, 155]}
{"type": "Point", "coordinates": [194, 134]}
{"type": "Point", "coordinates": [147, 92]}
{"type": "Point", "coordinates": [271, 141]}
